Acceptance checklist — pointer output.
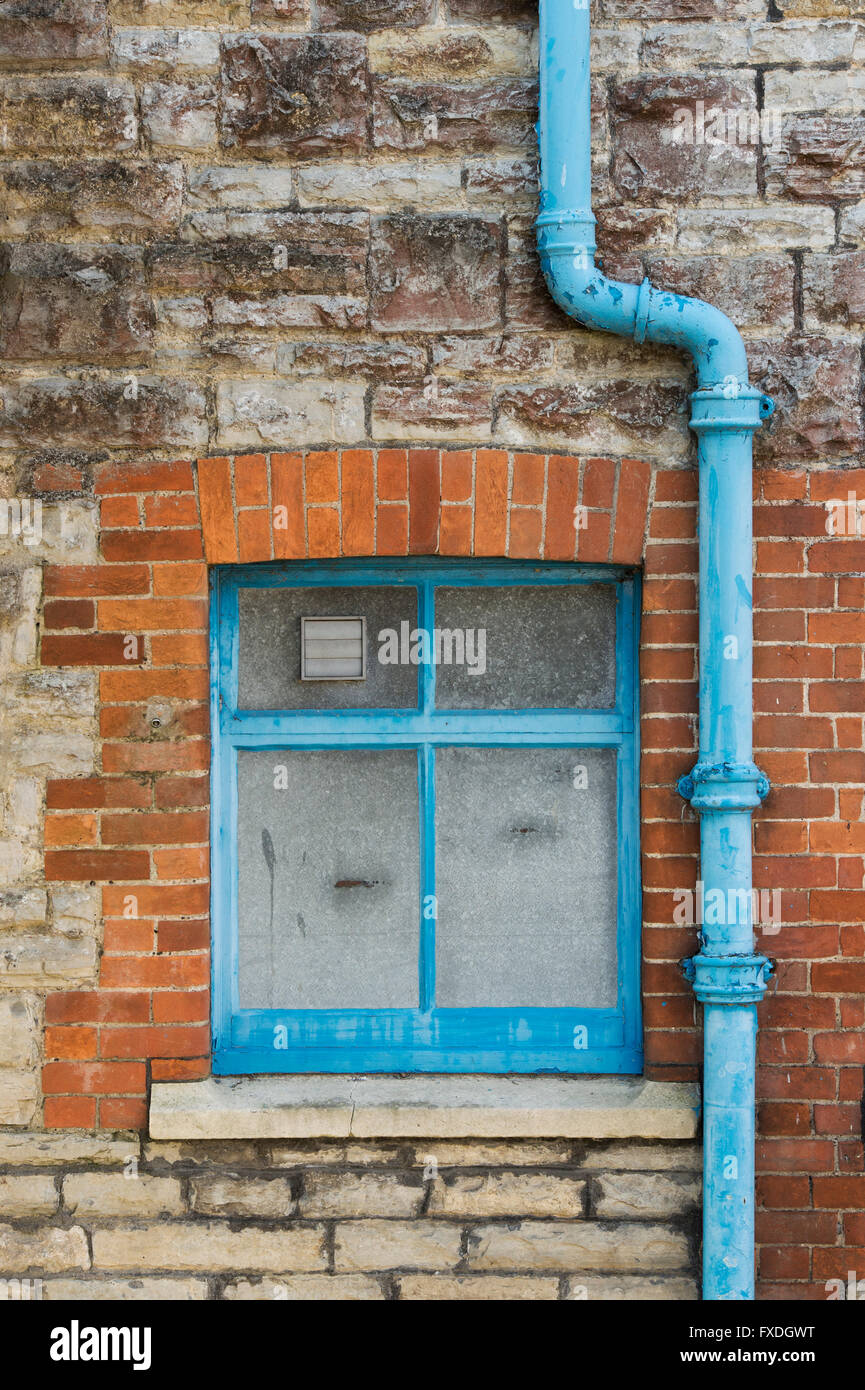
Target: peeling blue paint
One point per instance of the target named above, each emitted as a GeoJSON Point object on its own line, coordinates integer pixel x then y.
{"type": "Point", "coordinates": [725, 786]}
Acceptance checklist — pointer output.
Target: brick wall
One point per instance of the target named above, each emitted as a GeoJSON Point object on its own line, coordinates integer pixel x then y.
{"type": "Point", "coordinates": [139, 826]}
{"type": "Point", "coordinates": [301, 294]}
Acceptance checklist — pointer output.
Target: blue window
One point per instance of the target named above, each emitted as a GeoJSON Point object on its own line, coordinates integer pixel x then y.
{"type": "Point", "coordinates": [424, 817]}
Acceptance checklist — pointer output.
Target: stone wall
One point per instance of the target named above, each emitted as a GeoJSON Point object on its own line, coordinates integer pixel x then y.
{"type": "Point", "coordinates": [114, 1218]}
{"type": "Point", "coordinates": [230, 228]}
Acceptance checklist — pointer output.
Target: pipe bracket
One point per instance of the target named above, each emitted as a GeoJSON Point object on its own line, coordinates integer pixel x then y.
{"type": "Point", "coordinates": [728, 979]}
{"type": "Point", "coordinates": [724, 786]}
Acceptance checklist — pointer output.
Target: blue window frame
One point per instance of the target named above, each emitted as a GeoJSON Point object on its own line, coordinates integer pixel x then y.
{"type": "Point", "coordinates": [424, 1038]}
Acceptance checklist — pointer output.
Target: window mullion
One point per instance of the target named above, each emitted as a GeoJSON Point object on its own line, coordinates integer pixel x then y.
{"type": "Point", "coordinates": [428, 911]}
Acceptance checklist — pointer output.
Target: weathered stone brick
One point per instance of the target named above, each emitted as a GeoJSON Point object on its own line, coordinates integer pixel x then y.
{"type": "Point", "coordinates": [591, 415]}
{"type": "Point", "coordinates": [164, 50]}
{"type": "Point", "coordinates": [370, 1245]}
{"type": "Point", "coordinates": [635, 1245]}
{"type": "Point", "coordinates": [99, 1195]}
{"type": "Point", "coordinates": [239, 186]}
{"type": "Point", "coordinates": [491, 1154]}
{"type": "Point", "coordinates": [53, 30]}
{"type": "Point", "coordinates": [643, 1157]}
{"type": "Point", "coordinates": [33, 959]}
{"type": "Point", "coordinates": [505, 355]}
{"type": "Point", "coordinates": [363, 16]}
{"type": "Point", "coordinates": [184, 12]}
{"type": "Point", "coordinates": [655, 157]}
{"type": "Point", "coordinates": [94, 195]}
{"type": "Point", "coordinates": [683, 9]}
{"type": "Point", "coordinates": [19, 1029]}
{"type": "Point", "coordinates": [256, 413]}
{"type": "Point", "coordinates": [747, 231]}
{"type": "Point", "coordinates": [82, 302]}
{"type": "Point", "coordinates": [504, 181]}
{"type": "Point", "coordinates": [295, 253]}
{"type": "Point", "coordinates": [338, 1195]}
{"type": "Point", "coordinates": [65, 115]}
{"type": "Point", "coordinates": [76, 909]}
{"type": "Point", "coordinates": [615, 50]}
{"type": "Point", "coordinates": [380, 186]}
{"type": "Point", "coordinates": [473, 1288]}
{"type": "Point", "coordinates": [146, 1290]}
{"type": "Point", "coordinates": [293, 12]}
{"type": "Point", "coordinates": [653, 1195]}
{"type": "Point", "coordinates": [210, 1248]}
{"type": "Point", "coordinates": [804, 41]}
{"type": "Point", "coordinates": [818, 159]}
{"type": "Point", "coordinates": [449, 409]}
{"type": "Point", "coordinates": [435, 273]}
{"type": "Point", "coordinates": [528, 303]}
{"type": "Point", "coordinates": [389, 362]}
{"type": "Point", "coordinates": [624, 229]}
{"type": "Point", "coordinates": [199, 1154]}
{"type": "Point", "coordinates": [631, 1289]}
{"type": "Point", "coordinates": [158, 413]}
{"type": "Point", "coordinates": [507, 11]}
{"type": "Point", "coordinates": [25, 1196]}
{"type": "Point", "coordinates": [853, 225]}
{"type": "Point", "coordinates": [303, 96]}
{"type": "Point", "coordinates": [49, 1250]}
{"type": "Point", "coordinates": [59, 1149]}
{"type": "Point", "coordinates": [815, 385]}
{"type": "Point", "coordinates": [250, 1197]}
{"type": "Point", "coordinates": [753, 291]}
{"type": "Point", "coordinates": [328, 311]}
{"type": "Point", "coordinates": [834, 288]}
{"type": "Point", "coordinates": [312, 1288]}
{"type": "Point", "coordinates": [668, 47]}
{"type": "Point", "coordinates": [411, 116]}
{"type": "Point", "coordinates": [19, 1091]}
{"type": "Point", "coordinates": [507, 1194]}
{"type": "Point", "coordinates": [181, 115]}
{"type": "Point", "coordinates": [831, 93]}
{"type": "Point", "coordinates": [29, 907]}
{"type": "Point", "coordinates": [446, 55]}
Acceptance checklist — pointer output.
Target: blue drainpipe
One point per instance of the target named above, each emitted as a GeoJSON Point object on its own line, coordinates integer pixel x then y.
{"type": "Point", "coordinates": [725, 786]}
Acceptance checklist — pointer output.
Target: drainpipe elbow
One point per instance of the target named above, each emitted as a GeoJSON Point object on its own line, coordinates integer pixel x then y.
{"type": "Point", "coordinates": [566, 245]}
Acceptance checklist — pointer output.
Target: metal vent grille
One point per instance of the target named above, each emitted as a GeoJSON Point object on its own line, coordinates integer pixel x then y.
{"type": "Point", "coordinates": [333, 649]}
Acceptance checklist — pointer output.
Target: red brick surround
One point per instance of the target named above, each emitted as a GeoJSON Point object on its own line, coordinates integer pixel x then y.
{"type": "Point", "coordinates": [140, 827]}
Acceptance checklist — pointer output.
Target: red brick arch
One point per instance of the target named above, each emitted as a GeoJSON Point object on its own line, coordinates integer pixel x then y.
{"type": "Point", "coordinates": [138, 826]}
{"type": "Point", "coordinates": [421, 502]}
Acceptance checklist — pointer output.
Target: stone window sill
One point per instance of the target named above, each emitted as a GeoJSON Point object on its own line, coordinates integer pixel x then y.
{"type": "Point", "coordinates": [424, 1106]}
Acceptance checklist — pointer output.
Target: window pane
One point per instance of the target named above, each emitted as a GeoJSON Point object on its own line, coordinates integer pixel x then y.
{"type": "Point", "coordinates": [550, 646]}
{"type": "Point", "coordinates": [269, 654]}
{"type": "Point", "coordinates": [526, 877]}
{"type": "Point", "coordinates": [329, 893]}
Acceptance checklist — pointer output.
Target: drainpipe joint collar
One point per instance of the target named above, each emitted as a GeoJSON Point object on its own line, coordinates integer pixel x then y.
{"type": "Point", "coordinates": [731, 405]}
{"type": "Point", "coordinates": [724, 787]}
{"type": "Point", "coordinates": [567, 233]}
{"type": "Point", "coordinates": [728, 979]}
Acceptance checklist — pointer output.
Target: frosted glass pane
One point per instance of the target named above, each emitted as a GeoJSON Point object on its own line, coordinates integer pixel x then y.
{"type": "Point", "coordinates": [328, 883]}
{"type": "Point", "coordinates": [546, 647]}
{"type": "Point", "coordinates": [269, 653]}
{"type": "Point", "coordinates": [526, 877]}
